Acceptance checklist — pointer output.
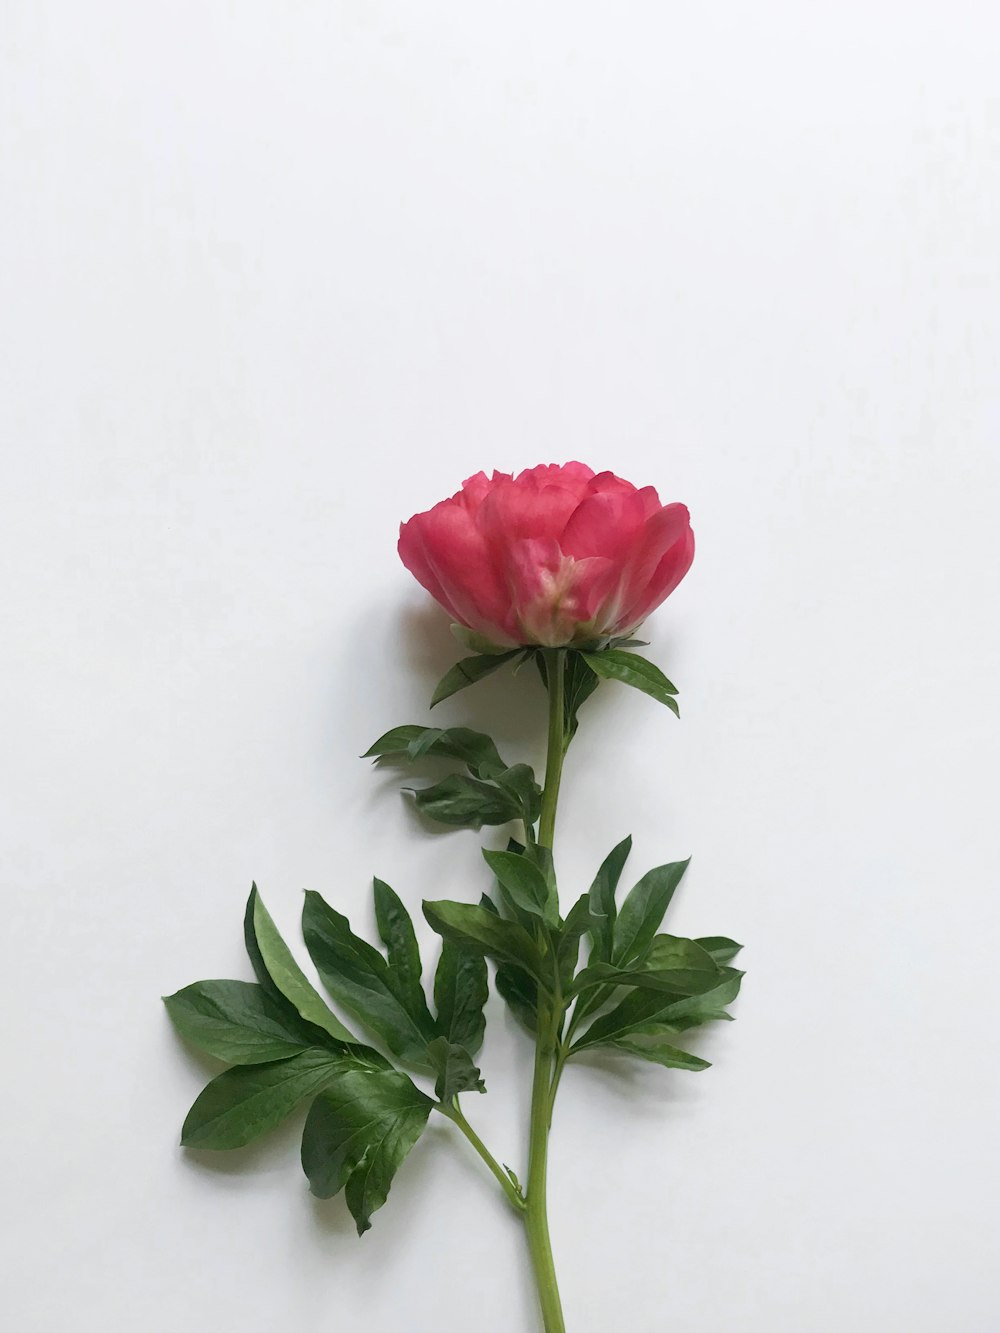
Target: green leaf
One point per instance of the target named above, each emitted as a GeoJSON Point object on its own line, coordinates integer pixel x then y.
{"type": "Point", "coordinates": [671, 1057]}
{"type": "Point", "coordinates": [395, 744]}
{"type": "Point", "coordinates": [279, 973]}
{"type": "Point", "coordinates": [460, 992]}
{"type": "Point", "coordinates": [524, 917]}
{"type": "Point", "coordinates": [578, 922]}
{"type": "Point", "coordinates": [472, 748]}
{"type": "Point", "coordinates": [672, 951]}
{"type": "Point", "coordinates": [675, 981]}
{"type": "Point", "coordinates": [643, 910]}
{"type": "Point", "coordinates": [516, 988]}
{"type": "Point", "coordinates": [539, 856]}
{"type": "Point", "coordinates": [357, 1134]}
{"type": "Point", "coordinates": [670, 964]}
{"type": "Point", "coordinates": [704, 1006]}
{"type": "Point", "coordinates": [519, 781]}
{"type": "Point", "coordinates": [494, 794]}
{"type": "Point", "coordinates": [603, 910]}
{"type": "Point", "coordinates": [468, 671]}
{"type": "Point", "coordinates": [396, 932]}
{"type": "Point", "coordinates": [603, 913]}
{"type": "Point", "coordinates": [250, 1100]}
{"type": "Point", "coordinates": [239, 1022]}
{"type": "Point", "coordinates": [721, 949]}
{"type": "Point", "coordinates": [649, 1013]}
{"type": "Point", "coordinates": [631, 669]}
{"type": "Point", "coordinates": [455, 1070]}
{"type": "Point", "coordinates": [481, 931]}
{"type": "Point", "coordinates": [579, 683]}
{"type": "Point", "coordinates": [524, 883]}
{"type": "Point", "coordinates": [681, 1022]}
{"type": "Point", "coordinates": [466, 803]}
{"type": "Point", "coordinates": [520, 994]}
{"type": "Point", "coordinates": [359, 978]}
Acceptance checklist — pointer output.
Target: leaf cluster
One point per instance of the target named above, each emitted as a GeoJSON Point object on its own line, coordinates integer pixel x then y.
{"type": "Point", "coordinates": [489, 792]}
{"type": "Point", "coordinates": [638, 989]}
{"type": "Point", "coordinates": [635, 990]}
{"type": "Point", "coordinates": [286, 1047]}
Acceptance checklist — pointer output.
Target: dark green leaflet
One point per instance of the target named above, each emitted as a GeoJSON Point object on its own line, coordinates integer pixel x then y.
{"type": "Point", "coordinates": [358, 1133]}
{"type": "Point", "coordinates": [360, 979]}
{"type": "Point", "coordinates": [241, 1023]}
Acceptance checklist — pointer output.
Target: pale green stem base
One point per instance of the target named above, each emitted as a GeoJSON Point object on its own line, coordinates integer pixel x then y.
{"type": "Point", "coordinates": [536, 1216]}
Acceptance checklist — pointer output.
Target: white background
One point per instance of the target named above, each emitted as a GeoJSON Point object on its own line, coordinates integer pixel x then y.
{"type": "Point", "coordinates": [276, 275]}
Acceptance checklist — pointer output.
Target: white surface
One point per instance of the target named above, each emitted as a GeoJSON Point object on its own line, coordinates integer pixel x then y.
{"type": "Point", "coordinates": [277, 275]}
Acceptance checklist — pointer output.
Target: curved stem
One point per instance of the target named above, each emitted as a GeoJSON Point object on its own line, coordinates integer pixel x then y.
{"type": "Point", "coordinates": [455, 1114]}
{"type": "Point", "coordinates": [550, 1016]}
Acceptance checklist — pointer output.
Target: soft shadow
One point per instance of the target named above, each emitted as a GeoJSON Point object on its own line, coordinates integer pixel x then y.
{"type": "Point", "coordinates": [195, 1062]}
{"type": "Point", "coordinates": [276, 1151]}
{"type": "Point", "coordinates": [267, 1154]}
{"type": "Point", "coordinates": [396, 779]}
{"type": "Point", "coordinates": [332, 1217]}
{"type": "Point", "coordinates": [642, 1084]}
{"type": "Point", "coordinates": [500, 706]}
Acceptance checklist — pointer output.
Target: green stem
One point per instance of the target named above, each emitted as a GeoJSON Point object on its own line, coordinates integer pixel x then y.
{"type": "Point", "coordinates": [562, 1055]}
{"type": "Point", "coordinates": [536, 1215]}
{"type": "Point", "coordinates": [555, 671]}
{"type": "Point", "coordinates": [455, 1114]}
{"type": "Point", "coordinates": [550, 1016]}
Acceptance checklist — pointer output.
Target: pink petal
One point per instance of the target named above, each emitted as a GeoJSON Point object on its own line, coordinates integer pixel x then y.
{"type": "Point", "coordinates": [554, 595]}
{"type": "Point", "coordinates": [513, 513]}
{"type": "Point", "coordinates": [414, 557]}
{"type": "Point", "coordinates": [673, 563]}
{"type": "Point", "coordinates": [607, 523]}
{"type": "Point", "coordinates": [607, 482]}
{"type": "Point", "coordinates": [455, 553]}
{"type": "Point", "coordinates": [571, 476]}
{"type": "Point", "coordinates": [475, 489]}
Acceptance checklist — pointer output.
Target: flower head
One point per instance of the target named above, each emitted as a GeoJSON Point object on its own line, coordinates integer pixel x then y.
{"type": "Point", "coordinates": [556, 556]}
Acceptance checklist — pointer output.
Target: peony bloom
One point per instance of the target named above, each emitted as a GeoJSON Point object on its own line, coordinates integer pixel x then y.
{"type": "Point", "coordinates": [554, 556]}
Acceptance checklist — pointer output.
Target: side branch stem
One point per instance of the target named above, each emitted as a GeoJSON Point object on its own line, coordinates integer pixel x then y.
{"type": "Point", "coordinates": [455, 1114]}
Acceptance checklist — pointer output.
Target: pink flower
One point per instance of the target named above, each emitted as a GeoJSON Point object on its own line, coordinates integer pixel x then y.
{"type": "Point", "coordinates": [555, 556]}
